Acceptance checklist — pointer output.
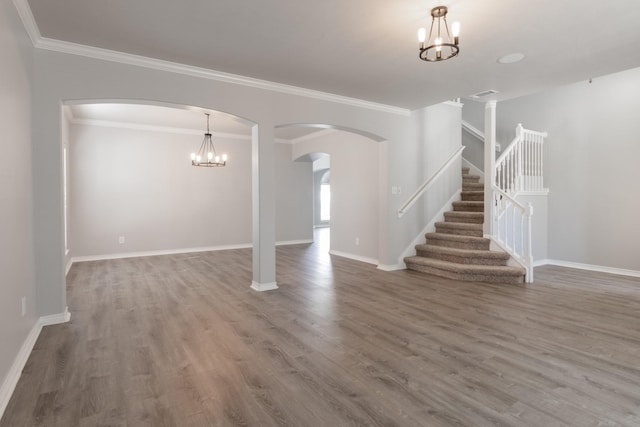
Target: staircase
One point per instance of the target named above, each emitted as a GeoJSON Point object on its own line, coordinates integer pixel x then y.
{"type": "Point", "coordinates": [457, 249]}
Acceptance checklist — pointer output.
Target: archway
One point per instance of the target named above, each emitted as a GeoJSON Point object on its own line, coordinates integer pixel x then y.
{"type": "Point", "coordinates": [135, 190]}
{"type": "Point", "coordinates": [356, 186]}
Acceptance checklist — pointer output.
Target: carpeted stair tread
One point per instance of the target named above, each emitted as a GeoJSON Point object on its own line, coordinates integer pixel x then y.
{"type": "Point", "coordinates": [471, 196]}
{"type": "Point", "coordinates": [457, 250]}
{"type": "Point", "coordinates": [460, 228]}
{"type": "Point", "coordinates": [472, 186]}
{"type": "Point", "coordinates": [458, 241]}
{"type": "Point", "coordinates": [469, 206]}
{"type": "Point", "coordinates": [467, 272]}
{"type": "Point", "coordinates": [461, 216]}
{"type": "Point", "coordinates": [463, 256]}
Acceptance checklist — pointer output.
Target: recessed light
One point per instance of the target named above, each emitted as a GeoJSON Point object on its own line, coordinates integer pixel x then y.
{"type": "Point", "coordinates": [511, 58]}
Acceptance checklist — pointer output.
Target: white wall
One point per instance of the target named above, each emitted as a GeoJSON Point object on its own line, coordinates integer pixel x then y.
{"type": "Point", "coordinates": [16, 194]}
{"type": "Point", "coordinates": [140, 184]}
{"type": "Point", "coordinates": [354, 190]}
{"type": "Point", "coordinates": [591, 162]}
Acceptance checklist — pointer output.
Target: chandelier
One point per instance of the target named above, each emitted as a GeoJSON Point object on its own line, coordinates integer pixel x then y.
{"type": "Point", "coordinates": [440, 44]}
{"type": "Point", "coordinates": [206, 155]}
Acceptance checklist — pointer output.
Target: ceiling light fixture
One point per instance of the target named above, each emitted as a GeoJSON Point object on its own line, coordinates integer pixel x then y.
{"type": "Point", "coordinates": [440, 45]}
{"type": "Point", "coordinates": [511, 58]}
{"type": "Point", "coordinates": [206, 155]}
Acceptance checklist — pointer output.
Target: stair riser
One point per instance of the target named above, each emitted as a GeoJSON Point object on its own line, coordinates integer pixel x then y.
{"type": "Point", "coordinates": [481, 246]}
{"type": "Point", "coordinates": [466, 277]}
{"type": "Point", "coordinates": [467, 219]}
{"type": "Point", "coordinates": [459, 231]}
{"type": "Point", "coordinates": [469, 260]}
{"type": "Point", "coordinates": [468, 179]}
{"type": "Point", "coordinates": [463, 207]}
{"type": "Point", "coordinates": [472, 197]}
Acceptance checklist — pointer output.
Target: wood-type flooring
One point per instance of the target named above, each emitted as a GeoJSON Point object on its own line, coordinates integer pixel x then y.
{"type": "Point", "coordinates": [181, 340]}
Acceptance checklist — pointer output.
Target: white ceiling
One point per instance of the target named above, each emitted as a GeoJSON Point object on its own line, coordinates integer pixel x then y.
{"type": "Point", "coordinates": [365, 49]}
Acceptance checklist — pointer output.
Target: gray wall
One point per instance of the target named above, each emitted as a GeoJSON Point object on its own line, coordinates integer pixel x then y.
{"type": "Point", "coordinates": [294, 197]}
{"type": "Point", "coordinates": [16, 195]}
{"type": "Point", "coordinates": [590, 167]}
{"type": "Point", "coordinates": [354, 190]}
{"type": "Point", "coordinates": [140, 184]}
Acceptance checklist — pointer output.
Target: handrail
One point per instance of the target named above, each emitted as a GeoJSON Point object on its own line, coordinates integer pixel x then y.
{"type": "Point", "coordinates": [509, 148]}
{"type": "Point", "coordinates": [421, 190]}
{"type": "Point", "coordinates": [472, 130]}
{"type": "Point", "coordinates": [477, 133]}
{"type": "Point", "coordinates": [512, 229]}
{"type": "Point", "coordinates": [519, 168]}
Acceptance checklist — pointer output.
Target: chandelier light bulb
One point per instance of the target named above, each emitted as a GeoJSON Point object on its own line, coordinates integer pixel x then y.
{"type": "Point", "coordinates": [438, 44]}
{"type": "Point", "coordinates": [193, 156]}
{"type": "Point", "coordinates": [422, 35]}
{"type": "Point", "coordinates": [217, 159]}
{"type": "Point", "coordinates": [455, 29]}
{"type": "Point", "coordinates": [224, 157]}
{"type": "Point", "coordinates": [210, 155]}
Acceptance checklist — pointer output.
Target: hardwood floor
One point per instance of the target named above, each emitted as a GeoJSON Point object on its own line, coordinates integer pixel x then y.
{"type": "Point", "coordinates": [181, 340]}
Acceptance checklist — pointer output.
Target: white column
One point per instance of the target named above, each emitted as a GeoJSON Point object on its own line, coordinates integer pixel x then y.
{"type": "Point", "coordinates": [489, 164]}
{"type": "Point", "coordinates": [264, 211]}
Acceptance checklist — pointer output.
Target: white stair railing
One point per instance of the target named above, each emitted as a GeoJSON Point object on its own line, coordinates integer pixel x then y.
{"type": "Point", "coordinates": [519, 167]}
{"type": "Point", "coordinates": [512, 229]}
{"type": "Point", "coordinates": [517, 170]}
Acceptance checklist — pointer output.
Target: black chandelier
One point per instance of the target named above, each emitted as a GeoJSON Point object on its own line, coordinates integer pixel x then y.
{"type": "Point", "coordinates": [206, 155]}
{"type": "Point", "coordinates": [440, 45]}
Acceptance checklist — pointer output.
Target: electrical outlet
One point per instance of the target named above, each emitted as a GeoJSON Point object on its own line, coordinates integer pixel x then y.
{"type": "Point", "coordinates": [24, 306]}
{"type": "Point", "coordinates": [357, 241]}
{"type": "Point", "coordinates": [121, 240]}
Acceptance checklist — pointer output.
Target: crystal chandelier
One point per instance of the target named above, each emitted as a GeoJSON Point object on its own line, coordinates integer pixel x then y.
{"type": "Point", "coordinates": [206, 155]}
{"type": "Point", "coordinates": [440, 45]}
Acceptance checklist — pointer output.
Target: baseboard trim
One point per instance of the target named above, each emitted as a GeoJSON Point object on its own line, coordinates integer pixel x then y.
{"type": "Point", "coordinates": [68, 266]}
{"type": "Point", "coordinates": [295, 242]}
{"type": "Point", "coordinates": [55, 319]}
{"type": "Point", "coordinates": [590, 267]}
{"type": "Point", "coordinates": [13, 376]}
{"type": "Point", "coordinates": [354, 257]}
{"type": "Point", "coordinates": [178, 251]}
{"type": "Point", "coordinates": [392, 267]}
{"type": "Point", "coordinates": [262, 287]}
{"type": "Point", "coordinates": [161, 252]}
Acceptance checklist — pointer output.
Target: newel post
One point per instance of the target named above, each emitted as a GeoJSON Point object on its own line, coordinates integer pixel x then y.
{"type": "Point", "coordinates": [489, 164]}
{"type": "Point", "coordinates": [529, 254]}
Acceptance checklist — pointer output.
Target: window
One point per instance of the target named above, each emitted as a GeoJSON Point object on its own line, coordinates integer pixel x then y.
{"type": "Point", "coordinates": [325, 202]}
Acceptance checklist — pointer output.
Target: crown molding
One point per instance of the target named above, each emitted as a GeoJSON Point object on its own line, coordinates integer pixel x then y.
{"type": "Point", "coordinates": [45, 43]}
{"type": "Point", "coordinates": [154, 128]}
{"type": "Point", "coordinates": [29, 22]}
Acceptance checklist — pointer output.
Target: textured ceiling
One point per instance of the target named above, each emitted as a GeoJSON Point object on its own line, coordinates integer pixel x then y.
{"type": "Point", "coordinates": [364, 49]}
